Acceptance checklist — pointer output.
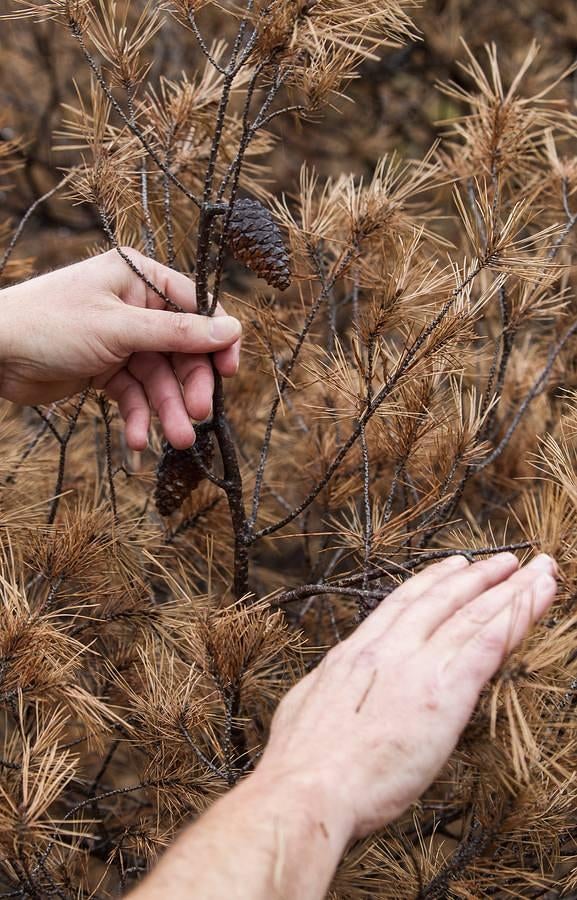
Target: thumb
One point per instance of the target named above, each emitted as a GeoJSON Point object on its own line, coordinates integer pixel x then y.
{"type": "Point", "coordinates": [170, 332]}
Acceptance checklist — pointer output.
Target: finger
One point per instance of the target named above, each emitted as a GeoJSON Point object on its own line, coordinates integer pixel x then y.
{"type": "Point", "coordinates": [129, 285]}
{"type": "Point", "coordinates": [176, 286]}
{"type": "Point", "coordinates": [227, 361]}
{"type": "Point", "coordinates": [168, 332]}
{"type": "Point", "coordinates": [133, 407]}
{"type": "Point", "coordinates": [196, 376]}
{"type": "Point", "coordinates": [477, 660]}
{"type": "Point", "coordinates": [443, 599]}
{"type": "Point", "coordinates": [165, 397]}
{"type": "Point", "coordinates": [392, 606]}
{"type": "Point", "coordinates": [470, 617]}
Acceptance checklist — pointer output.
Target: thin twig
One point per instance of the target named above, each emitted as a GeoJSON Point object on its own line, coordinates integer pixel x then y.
{"type": "Point", "coordinates": [147, 230]}
{"type": "Point", "coordinates": [109, 232]}
{"type": "Point", "coordinates": [219, 773]}
{"type": "Point", "coordinates": [535, 389]}
{"type": "Point", "coordinates": [104, 405]}
{"type": "Point", "coordinates": [64, 441]}
{"type": "Point", "coordinates": [284, 382]}
{"type": "Point", "coordinates": [17, 234]}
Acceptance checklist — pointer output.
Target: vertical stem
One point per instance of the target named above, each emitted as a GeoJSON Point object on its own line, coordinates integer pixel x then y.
{"type": "Point", "coordinates": [365, 463]}
{"type": "Point", "coordinates": [207, 213]}
{"type": "Point", "coordinates": [234, 171]}
{"type": "Point", "coordinates": [168, 224]}
{"type": "Point", "coordinates": [507, 339]}
{"type": "Point", "coordinates": [339, 270]}
{"type": "Point", "coordinates": [368, 522]}
{"type": "Point", "coordinates": [234, 490]}
{"type": "Point", "coordinates": [147, 229]}
{"type": "Point", "coordinates": [105, 410]}
{"type": "Point", "coordinates": [64, 441]}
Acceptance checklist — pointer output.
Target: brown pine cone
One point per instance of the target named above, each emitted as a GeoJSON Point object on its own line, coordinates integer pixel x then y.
{"type": "Point", "coordinates": [255, 240]}
{"type": "Point", "coordinates": [178, 472]}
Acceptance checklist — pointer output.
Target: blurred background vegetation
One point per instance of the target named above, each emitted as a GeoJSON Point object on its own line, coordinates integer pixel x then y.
{"type": "Point", "coordinates": [398, 103]}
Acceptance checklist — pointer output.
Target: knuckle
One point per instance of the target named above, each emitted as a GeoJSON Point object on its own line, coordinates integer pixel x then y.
{"type": "Point", "coordinates": [433, 595]}
{"type": "Point", "coordinates": [333, 657]}
{"type": "Point", "coordinates": [132, 254]}
{"type": "Point", "coordinates": [179, 324]}
{"type": "Point", "coordinates": [473, 616]}
{"type": "Point", "coordinates": [165, 403]}
{"type": "Point", "coordinates": [489, 642]}
{"type": "Point", "coordinates": [366, 657]}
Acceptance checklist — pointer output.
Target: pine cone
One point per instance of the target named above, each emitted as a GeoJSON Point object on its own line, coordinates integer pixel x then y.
{"type": "Point", "coordinates": [178, 472]}
{"type": "Point", "coordinates": [255, 240]}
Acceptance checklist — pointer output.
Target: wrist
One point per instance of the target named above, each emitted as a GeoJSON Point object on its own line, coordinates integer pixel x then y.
{"type": "Point", "coordinates": [281, 834]}
{"type": "Point", "coordinates": [309, 798]}
{"type": "Point", "coordinates": [307, 833]}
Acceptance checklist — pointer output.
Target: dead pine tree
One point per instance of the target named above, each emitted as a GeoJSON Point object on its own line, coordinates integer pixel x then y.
{"type": "Point", "coordinates": [407, 392]}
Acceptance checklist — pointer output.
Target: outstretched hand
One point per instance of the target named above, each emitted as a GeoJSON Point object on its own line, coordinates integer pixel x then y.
{"type": "Point", "coordinates": [361, 737]}
{"type": "Point", "coordinates": [373, 724]}
{"type": "Point", "coordinates": [97, 323]}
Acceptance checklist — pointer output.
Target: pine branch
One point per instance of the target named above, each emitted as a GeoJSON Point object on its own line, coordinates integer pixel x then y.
{"type": "Point", "coordinates": [285, 374]}
{"type": "Point", "coordinates": [76, 32]}
{"type": "Point", "coordinates": [370, 410]}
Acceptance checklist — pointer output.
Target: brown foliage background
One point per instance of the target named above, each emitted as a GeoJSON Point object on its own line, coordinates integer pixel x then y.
{"type": "Point", "coordinates": [418, 381]}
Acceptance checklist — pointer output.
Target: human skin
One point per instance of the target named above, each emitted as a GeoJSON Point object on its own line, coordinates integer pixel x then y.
{"type": "Point", "coordinates": [360, 738]}
{"type": "Point", "coordinates": [97, 323]}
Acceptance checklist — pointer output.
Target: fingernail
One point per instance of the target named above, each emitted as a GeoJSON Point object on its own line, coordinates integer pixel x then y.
{"type": "Point", "coordinates": [205, 421]}
{"type": "Point", "coordinates": [543, 563]}
{"type": "Point", "coordinates": [225, 328]}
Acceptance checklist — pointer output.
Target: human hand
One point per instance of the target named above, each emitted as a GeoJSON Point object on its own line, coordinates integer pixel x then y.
{"type": "Point", "coordinates": [96, 322]}
{"type": "Point", "coordinates": [371, 726]}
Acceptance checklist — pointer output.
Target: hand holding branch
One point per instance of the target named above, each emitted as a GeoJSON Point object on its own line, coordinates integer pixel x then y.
{"type": "Point", "coordinates": [97, 323]}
